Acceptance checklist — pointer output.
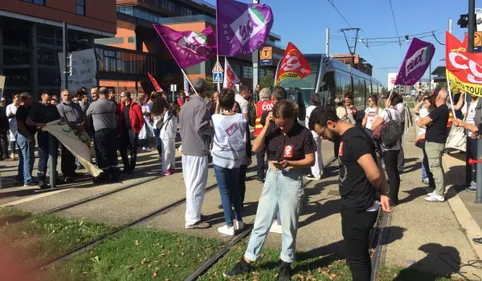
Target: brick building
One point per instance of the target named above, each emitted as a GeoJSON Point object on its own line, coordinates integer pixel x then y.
{"type": "Point", "coordinates": [359, 63]}
{"type": "Point", "coordinates": [31, 38]}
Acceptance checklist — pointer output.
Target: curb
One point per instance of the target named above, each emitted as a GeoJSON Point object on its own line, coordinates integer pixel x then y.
{"type": "Point", "coordinates": [465, 219]}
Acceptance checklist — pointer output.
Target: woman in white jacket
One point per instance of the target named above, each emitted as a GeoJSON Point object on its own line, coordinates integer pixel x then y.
{"type": "Point", "coordinates": [168, 140]}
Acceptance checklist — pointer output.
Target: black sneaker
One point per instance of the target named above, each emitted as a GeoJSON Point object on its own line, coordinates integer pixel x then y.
{"type": "Point", "coordinates": [241, 267]}
{"type": "Point", "coordinates": [284, 271]}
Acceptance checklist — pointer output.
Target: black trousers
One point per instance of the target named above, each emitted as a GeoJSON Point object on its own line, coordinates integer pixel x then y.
{"type": "Point", "coordinates": [261, 164]}
{"type": "Point", "coordinates": [390, 158]}
{"type": "Point", "coordinates": [129, 142]}
{"type": "Point", "coordinates": [106, 148]}
{"type": "Point", "coordinates": [356, 230]}
{"type": "Point", "coordinates": [3, 143]}
{"type": "Point", "coordinates": [67, 164]}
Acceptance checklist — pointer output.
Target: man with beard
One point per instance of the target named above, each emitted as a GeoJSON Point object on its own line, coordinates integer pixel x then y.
{"type": "Point", "coordinates": [360, 180]}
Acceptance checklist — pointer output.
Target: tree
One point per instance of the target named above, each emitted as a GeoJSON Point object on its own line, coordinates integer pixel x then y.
{"type": "Point", "coordinates": [267, 81]}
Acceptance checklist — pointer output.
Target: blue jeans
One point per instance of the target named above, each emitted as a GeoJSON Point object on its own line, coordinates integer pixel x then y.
{"type": "Point", "coordinates": [158, 141]}
{"type": "Point", "coordinates": [228, 184]}
{"type": "Point", "coordinates": [27, 158]}
{"type": "Point", "coordinates": [283, 192]}
{"type": "Point", "coordinates": [424, 169]}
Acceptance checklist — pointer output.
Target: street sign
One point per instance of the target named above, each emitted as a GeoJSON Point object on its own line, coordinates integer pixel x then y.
{"type": "Point", "coordinates": [173, 87]}
{"type": "Point", "coordinates": [217, 77]}
{"type": "Point", "coordinates": [266, 56]}
{"type": "Point", "coordinates": [217, 67]}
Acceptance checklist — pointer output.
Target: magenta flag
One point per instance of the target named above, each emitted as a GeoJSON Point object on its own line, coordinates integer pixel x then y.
{"type": "Point", "coordinates": [188, 48]}
{"type": "Point", "coordinates": [416, 62]}
{"type": "Point", "coordinates": [242, 28]}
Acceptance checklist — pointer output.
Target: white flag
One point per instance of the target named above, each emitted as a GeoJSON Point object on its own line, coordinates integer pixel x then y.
{"type": "Point", "coordinates": [75, 142]}
{"type": "Point", "coordinates": [230, 78]}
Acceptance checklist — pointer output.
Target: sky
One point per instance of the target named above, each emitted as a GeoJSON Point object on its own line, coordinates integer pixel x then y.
{"type": "Point", "coordinates": [303, 23]}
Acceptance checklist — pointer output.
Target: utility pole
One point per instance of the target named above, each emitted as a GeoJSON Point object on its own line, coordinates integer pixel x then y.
{"type": "Point", "coordinates": [255, 59]}
{"type": "Point", "coordinates": [327, 42]}
{"type": "Point", "coordinates": [471, 18]}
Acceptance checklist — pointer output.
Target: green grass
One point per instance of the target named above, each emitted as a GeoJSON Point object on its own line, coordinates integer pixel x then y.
{"type": "Point", "coordinates": [10, 212]}
{"type": "Point", "coordinates": [139, 254]}
{"type": "Point", "coordinates": [43, 237]}
{"type": "Point", "coordinates": [305, 268]}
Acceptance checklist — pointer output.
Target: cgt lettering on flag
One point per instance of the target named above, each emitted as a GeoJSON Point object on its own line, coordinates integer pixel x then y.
{"type": "Point", "coordinates": [293, 65]}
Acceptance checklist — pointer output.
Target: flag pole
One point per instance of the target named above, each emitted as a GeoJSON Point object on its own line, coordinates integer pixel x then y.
{"type": "Point", "coordinates": [187, 78]}
{"type": "Point", "coordinates": [217, 41]}
{"type": "Point", "coordinates": [219, 83]}
{"type": "Point", "coordinates": [450, 95]}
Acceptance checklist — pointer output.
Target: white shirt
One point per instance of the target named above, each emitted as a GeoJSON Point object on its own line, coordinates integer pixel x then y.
{"type": "Point", "coordinates": [12, 109]}
{"type": "Point", "coordinates": [372, 114]}
{"type": "Point", "coordinates": [423, 112]}
{"type": "Point", "coordinates": [168, 131]}
{"type": "Point", "coordinates": [401, 108]}
{"type": "Point", "coordinates": [395, 114]}
{"type": "Point", "coordinates": [243, 103]}
{"type": "Point", "coordinates": [469, 114]}
{"type": "Point", "coordinates": [310, 109]}
{"type": "Point", "coordinates": [229, 143]}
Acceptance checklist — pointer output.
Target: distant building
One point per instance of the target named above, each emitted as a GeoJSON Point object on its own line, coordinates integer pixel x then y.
{"type": "Point", "coordinates": [31, 38]}
{"type": "Point", "coordinates": [359, 63]}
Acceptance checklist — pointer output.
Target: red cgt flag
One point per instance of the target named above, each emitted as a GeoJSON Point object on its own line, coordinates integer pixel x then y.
{"type": "Point", "coordinates": [293, 65]}
{"type": "Point", "coordinates": [154, 83]}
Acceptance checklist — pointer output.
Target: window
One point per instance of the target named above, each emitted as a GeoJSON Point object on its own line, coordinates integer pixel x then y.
{"type": "Point", "coordinates": [80, 7]}
{"type": "Point", "coordinates": [49, 77]}
{"type": "Point", "coordinates": [46, 56]}
{"type": "Point", "coordinates": [36, 2]}
{"type": "Point", "coordinates": [247, 71]}
{"type": "Point", "coordinates": [131, 40]}
{"type": "Point", "coordinates": [16, 57]}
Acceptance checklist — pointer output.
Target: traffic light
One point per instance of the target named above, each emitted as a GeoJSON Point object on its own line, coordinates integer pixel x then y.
{"type": "Point", "coordinates": [68, 64]}
{"type": "Point", "coordinates": [463, 21]}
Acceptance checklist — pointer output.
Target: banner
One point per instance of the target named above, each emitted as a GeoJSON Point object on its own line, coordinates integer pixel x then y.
{"type": "Point", "coordinates": [154, 83]}
{"type": "Point", "coordinates": [293, 65]}
{"type": "Point", "coordinates": [2, 85]}
{"type": "Point", "coordinates": [416, 62]}
{"type": "Point", "coordinates": [84, 70]}
{"type": "Point", "coordinates": [464, 69]}
{"type": "Point", "coordinates": [188, 48]}
{"type": "Point", "coordinates": [241, 28]}
{"type": "Point", "coordinates": [230, 77]}
{"type": "Point", "coordinates": [75, 142]}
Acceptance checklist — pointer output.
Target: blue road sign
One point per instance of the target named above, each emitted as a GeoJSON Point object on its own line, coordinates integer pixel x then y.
{"type": "Point", "coordinates": [266, 62]}
{"type": "Point", "coordinates": [218, 77]}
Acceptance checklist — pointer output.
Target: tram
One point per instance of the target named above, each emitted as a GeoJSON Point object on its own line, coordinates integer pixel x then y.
{"type": "Point", "coordinates": [331, 78]}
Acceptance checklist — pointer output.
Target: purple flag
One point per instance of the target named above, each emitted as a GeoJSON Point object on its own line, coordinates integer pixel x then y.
{"type": "Point", "coordinates": [188, 48]}
{"type": "Point", "coordinates": [242, 28]}
{"type": "Point", "coordinates": [416, 62]}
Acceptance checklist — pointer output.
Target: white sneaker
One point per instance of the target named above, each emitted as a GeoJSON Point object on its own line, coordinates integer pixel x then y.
{"type": "Point", "coordinates": [425, 181]}
{"type": "Point", "coordinates": [431, 193]}
{"type": "Point", "coordinates": [276, 228]}
{"type": "Point", "coordinates": [435, 198]}
{"type": "Point", "coordinates": [147, 149]}
{"type": "Point", "coordinates": [472, 187]}
{"type": "Point", "coordinates": [143, 149]}
{"type": "Point", "coordinates": [238, 225]}
{"type": "Point", "coordinates": [225, 229]}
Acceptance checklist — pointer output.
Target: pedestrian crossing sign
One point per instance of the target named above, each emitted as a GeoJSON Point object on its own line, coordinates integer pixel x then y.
{"type": "Point", "coordinates": [218, 77]}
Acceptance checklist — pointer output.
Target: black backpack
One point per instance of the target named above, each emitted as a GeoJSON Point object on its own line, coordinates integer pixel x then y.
{"type": "Point", "coordinates": [391, 132]}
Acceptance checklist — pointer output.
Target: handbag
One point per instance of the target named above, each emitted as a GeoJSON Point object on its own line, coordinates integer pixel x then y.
{"type": "Point", "coordinates": [457, 139]}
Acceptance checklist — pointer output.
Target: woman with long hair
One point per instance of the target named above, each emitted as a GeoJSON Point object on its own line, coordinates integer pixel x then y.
{"type": "Point", "coordinates": [159, 107]}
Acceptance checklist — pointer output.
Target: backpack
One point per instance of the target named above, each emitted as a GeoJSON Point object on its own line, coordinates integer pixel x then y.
{"type": "Point", "coordinates": [389, 132]}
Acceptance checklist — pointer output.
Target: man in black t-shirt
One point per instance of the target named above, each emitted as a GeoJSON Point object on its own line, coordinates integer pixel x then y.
{"type": "Point", "coordinates": [360, 179]}
{"type": "Point", "coordinates": [41, 114]}
{"type": "Point", "coordinates": [435, 137]}
{"type": "Point", "coordinates": [25, 138]}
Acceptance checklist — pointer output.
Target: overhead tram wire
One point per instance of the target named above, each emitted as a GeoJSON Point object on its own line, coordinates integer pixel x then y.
{"type": "Point", "coordinates": [396, 28]}
{"type": "Point", "coordinates": [341, 15]}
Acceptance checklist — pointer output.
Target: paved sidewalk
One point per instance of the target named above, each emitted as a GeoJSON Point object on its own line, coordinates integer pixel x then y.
{"type": "Point", "coordinates": [427, 235]}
